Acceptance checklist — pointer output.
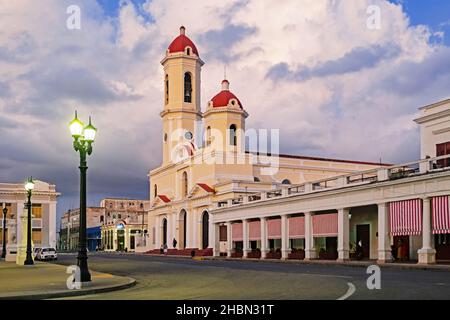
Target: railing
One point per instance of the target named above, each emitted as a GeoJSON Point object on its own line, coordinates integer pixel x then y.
{"type": "Point", "coordinates": [420, 167]}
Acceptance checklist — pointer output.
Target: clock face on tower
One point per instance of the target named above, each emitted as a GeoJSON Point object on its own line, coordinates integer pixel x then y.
{"type": "Point", "coordinates": [188, 135]}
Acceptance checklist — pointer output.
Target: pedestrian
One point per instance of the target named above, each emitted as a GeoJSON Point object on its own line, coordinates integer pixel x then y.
{"type": "Point", "coordinates": [174, 243]}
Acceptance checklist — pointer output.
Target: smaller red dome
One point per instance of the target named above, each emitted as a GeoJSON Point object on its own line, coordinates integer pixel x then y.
{"type": "Point", "coordinates": [181, 42]}
{"type": "Point", "coordinates": [223, 97]}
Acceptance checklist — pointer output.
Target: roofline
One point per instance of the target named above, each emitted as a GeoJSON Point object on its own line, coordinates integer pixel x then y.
{"type": "Point", "coordinates": [124, 199]}
{"type": "Point", "coordinates": [291, 156]}
{"type": "Point", "coordinates": [436, 104]}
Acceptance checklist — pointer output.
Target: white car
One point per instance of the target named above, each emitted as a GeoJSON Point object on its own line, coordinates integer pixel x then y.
{"type": "Point", "coordinates": [47, 253]}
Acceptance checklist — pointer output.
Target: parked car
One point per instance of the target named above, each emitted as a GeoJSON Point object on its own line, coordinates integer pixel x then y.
{"type": "Point", "coordinates": [47, 253]}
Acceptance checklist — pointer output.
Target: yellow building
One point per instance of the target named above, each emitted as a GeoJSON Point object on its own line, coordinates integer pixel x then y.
{"type": "Point", "coordinates": [205, 159]}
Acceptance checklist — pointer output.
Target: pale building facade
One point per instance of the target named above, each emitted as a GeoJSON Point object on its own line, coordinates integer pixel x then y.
{"type": "Point", "coordinates": [124, 225]}
{"type": "Point", "coordinates": [204, 158]}
{"type": "Point", "coordinates": [70, 225]}
{"type": "Point", "coordinates": [44, 199]}
{"type": "Point", "coordinates": [399, 212]}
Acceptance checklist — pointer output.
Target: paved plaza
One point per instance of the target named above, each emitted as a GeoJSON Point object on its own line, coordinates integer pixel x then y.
{"type": "Point", "coordinates": [181, 278]}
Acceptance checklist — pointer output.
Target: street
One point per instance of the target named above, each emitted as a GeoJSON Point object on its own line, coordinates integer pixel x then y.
{"type": "Point", "coordinates": [178, 278]}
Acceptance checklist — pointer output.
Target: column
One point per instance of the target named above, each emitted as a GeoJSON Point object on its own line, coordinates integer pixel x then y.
{"type": "Point", "coordinates": [114, 247]}
{"type": "Point", "coordinates": [310, 251]}
{"type": "Point", "coordinates": [157, 234]}
{"type": "Point", "coordinates": [384, 250]}
{"type": "Point", "coordinates": [216, 239]}
{"type": "Point", "coordinates": [343, 234]}
{"type": "Point", "coordinates": [198, 230]}
{"type": "Point", "coordinates": [284, 238]}
{"type": "Point", "coordinates": [427, 255]}
{"type": "Point", "coordinates": [174, 232]}
{"type": "Point", "coordinates": [245, 247]}
{"type": "Point", "coordinates": [210, 232]}
{"type": "Point", "coordinates": [229, 240]}
{"type": "Point", "coordinates": [126, 242]}
{"type": "Point", "coordinates": [195, 232]}
{"type": "Point", "coordinates": [19, 213]}
{"type": "Point", "coordinates": [52, 224]}
{"type": "Point", "coordinates": [264, 239]}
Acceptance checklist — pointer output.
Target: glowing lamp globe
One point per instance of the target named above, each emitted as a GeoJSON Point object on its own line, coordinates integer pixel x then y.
{"type": "Point", "coordinates": [29, 185]}
{"type": "Point", "coordinates": [76, 127]}
{"type": "Point", "coordinates": [89, 132]}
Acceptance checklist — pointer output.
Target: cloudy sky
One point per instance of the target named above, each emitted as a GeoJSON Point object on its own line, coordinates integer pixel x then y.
{"type": "Point", "coordinates": [310, 67]}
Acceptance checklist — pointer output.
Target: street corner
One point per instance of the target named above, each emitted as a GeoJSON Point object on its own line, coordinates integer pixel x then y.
{"type": "Point", "coordinates": [47, 281]}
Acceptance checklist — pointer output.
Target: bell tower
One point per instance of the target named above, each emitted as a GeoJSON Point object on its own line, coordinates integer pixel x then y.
{"type": "Point", "coordinates": [182, 70]}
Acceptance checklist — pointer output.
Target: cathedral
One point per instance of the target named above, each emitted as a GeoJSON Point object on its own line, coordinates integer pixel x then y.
{"type": "Point", "coordinates": [205, 161]}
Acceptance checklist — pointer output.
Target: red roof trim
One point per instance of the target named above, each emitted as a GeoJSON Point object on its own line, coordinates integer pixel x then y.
{"type": "Point", "coordinates": [205, 187]}
{"type": "Point", "coordinates": [164, 198]}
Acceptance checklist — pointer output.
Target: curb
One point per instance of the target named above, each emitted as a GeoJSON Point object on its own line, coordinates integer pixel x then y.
{"type": "Point", "coordinates": [73, 293]}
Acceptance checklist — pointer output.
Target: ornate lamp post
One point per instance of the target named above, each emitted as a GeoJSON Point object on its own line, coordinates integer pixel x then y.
{"type": "Point", "coordinates": [5, 211]}
{"type": "Point", "coordinates": [83, 137]}
{"type": "Point", "coordinates": [29, 186]}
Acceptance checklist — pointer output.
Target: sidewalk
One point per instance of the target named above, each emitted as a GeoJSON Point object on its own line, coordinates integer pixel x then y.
{"type": "Point", "coordinates": [46, 280]}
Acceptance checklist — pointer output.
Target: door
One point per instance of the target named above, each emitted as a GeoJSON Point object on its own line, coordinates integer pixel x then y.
{"type": "Point", "coordinates": [363, 237]}
{"type": "Point", "coordinates": [401, 242]}
{"type": "Point", "coordinates": [132, 242]}
{"type": "Point", "coordinates": [121, 240]}
{"type": "Point", "coordinates": [442, 244]}
{"type": "Point", "coordinates": [205, 230]}
{"type": "Point", "coordinates": [164, 232]}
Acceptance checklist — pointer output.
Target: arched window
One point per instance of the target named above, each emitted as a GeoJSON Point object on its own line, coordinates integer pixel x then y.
{"type": "Point", "coordinates": [187, 87]}
{"type": "Point", "coordinates": [286, 181]}
{"type": "Point", "coordinates": [184, 184]}
{"type": "Point", "coordinates": [166, 83]}
{"type": "Point", "coordinates": [208, 136]}
{"type": "Point", "coordinates": [188, 51]}
{"type": "Point", "coordinates": [155, 191]}
{"type": "Point", "coordinates": [233, 137]}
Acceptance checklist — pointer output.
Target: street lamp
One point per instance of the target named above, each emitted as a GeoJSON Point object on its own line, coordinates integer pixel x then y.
{"type": "Point", "coordinates": [83, 137]}
{"type": "Point", "coordinates": [29, 186]}
{"type": "Point", "coordinates": [5, 211]}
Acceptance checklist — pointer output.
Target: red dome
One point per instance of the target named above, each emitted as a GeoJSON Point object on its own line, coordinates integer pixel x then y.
{"type": "Point", "coordinates": [223, 97]}
{"type": "Point", "coordinates": [181, 42]}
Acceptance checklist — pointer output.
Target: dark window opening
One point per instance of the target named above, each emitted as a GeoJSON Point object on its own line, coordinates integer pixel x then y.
{"type": "Point", "coordinates": [187, 87]}
{"type": "Point", "coordinates": [167, 89]}
{"type": "Point", "coordinates": [233, 137]}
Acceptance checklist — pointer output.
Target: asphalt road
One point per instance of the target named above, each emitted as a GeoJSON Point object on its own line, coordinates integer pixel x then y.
{"type": "Point", "coordinates": [178, 278]}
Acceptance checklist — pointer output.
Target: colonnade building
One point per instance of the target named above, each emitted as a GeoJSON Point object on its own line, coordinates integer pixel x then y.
{"type": "Point", "coordinates": [205, 162]}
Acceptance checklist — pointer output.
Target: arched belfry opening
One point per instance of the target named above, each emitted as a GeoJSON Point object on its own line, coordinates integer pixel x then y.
{"type": "Point", "coordinates": [188, 87]}
{"type": "Point", "coordinates": [233, 135]}
{"type": "Point", "coordinates": [166, 89]}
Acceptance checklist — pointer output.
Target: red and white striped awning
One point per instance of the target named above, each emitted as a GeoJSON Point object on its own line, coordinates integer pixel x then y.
{"type": "Point", "coordinates": [237, 232]}
{"type": "Point", "coordinates": [441, 215]}
{"type": "Point", "coordinates": [405, 217]}
{"type": "Point", "coordinates": [297, 227]}
{"type": "Point", "coordinates": [254, 230]}
{"type": "Point", "coordinates": [274, 228]}
{"type": "Point", "coordinates": [325, 225]}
